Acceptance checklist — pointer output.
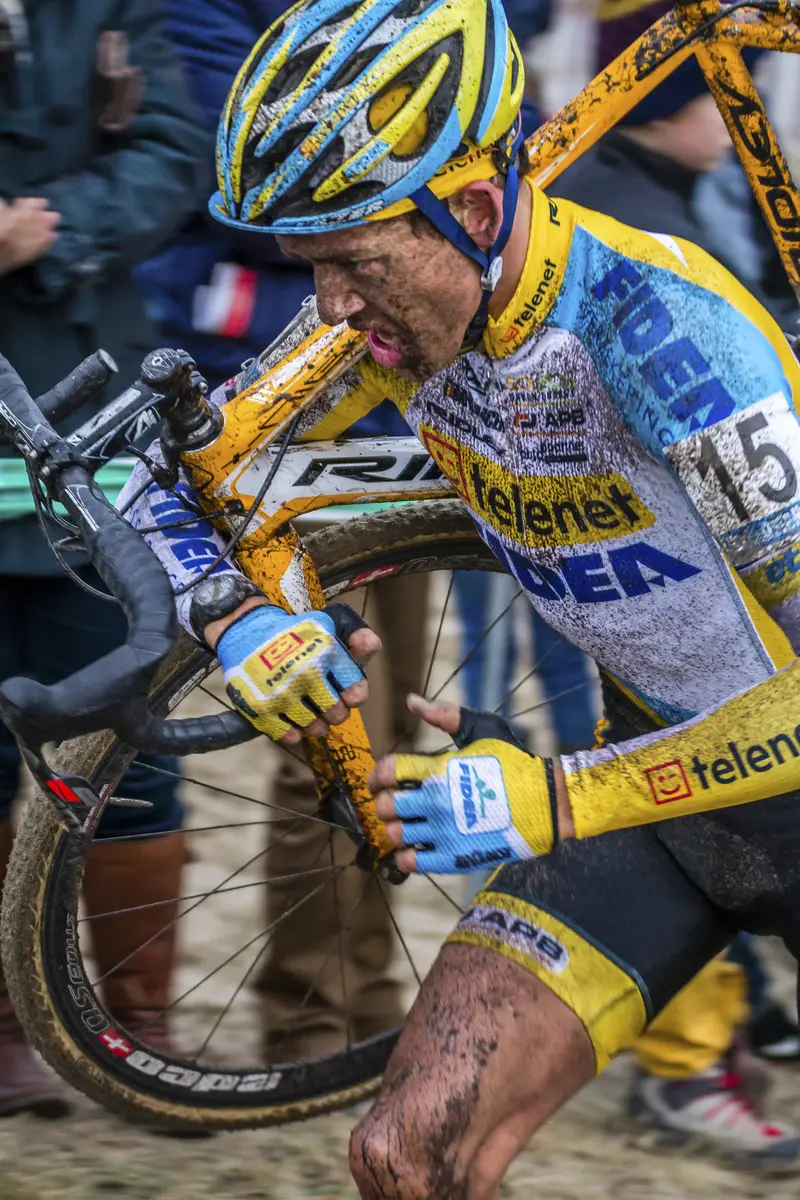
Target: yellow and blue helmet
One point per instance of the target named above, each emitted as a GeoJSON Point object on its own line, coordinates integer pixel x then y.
{"type": "Point", "coordinates": [348, 112]}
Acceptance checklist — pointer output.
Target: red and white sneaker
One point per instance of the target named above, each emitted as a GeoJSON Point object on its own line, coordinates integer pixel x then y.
{"type": "Point", "coordinates": [713, 1110]}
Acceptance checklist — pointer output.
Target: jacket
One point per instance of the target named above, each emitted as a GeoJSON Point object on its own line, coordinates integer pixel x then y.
{"type": "Point", "coordinates": [119, 195]}
{"type": "Point", "coordinates": [635, 185]}
{"type": "Point", "coordinates": [221, 298]}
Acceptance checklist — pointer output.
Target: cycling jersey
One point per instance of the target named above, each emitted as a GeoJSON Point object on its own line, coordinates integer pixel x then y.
{"type": "Point", "coordinates": [627, 442]}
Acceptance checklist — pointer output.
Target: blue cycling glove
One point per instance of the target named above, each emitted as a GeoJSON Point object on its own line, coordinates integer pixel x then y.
{"type": "Point", "coordinates": [485, 804]}
{"type": "Point", "coordinates": [284, 671]}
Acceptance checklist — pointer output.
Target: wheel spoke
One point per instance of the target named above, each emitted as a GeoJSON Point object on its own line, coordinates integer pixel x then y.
{"type": "Point", "coordinates": [246, 946]}
{"type": "Point", "coordinates": [240, 887]}
{"type": "Point", "coordinates": [214, 787]}
{"type": "Point", "coordinates": [437, 639]}
{"type": "Point", "coordinates": [312, 987]}
{"type": "Point", "coordinates": [458, 907]}
{"type": "Point", "coordinates": [399, 932]}
{"type": "Point", "coordinates": [576, 687]}
{"type": "Point", "coordinates": [181, 916]}
{"type": "Point", "coordinates": [342, 979]}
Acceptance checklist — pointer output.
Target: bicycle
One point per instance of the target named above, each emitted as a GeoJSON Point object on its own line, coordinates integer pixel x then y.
{"type": "Point", "coordinates": [267, 461]}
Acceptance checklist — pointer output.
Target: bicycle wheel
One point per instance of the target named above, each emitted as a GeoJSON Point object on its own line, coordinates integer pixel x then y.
{"type": "Point", "coordinates": [46, 957]}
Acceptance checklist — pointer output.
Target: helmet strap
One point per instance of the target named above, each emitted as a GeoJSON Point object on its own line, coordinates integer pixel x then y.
{"type": "Point", "coordinates": [491, 261]}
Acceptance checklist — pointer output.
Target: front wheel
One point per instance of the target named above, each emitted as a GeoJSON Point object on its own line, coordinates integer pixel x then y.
{"type": "Point", "coordinates": [232, 1081]}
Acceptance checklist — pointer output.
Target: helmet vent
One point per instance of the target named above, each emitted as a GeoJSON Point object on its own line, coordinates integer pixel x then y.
{"type": "Point", "coordinates": [354, 66]}
{"type": "Point", "coordinates": [327, 163]}
{"type": "Point", "coordinates": [291, 74]}
{"type": "Point", "coordinates": [410, 8]}
{"type": "Point", "coordinates": [256, 169]}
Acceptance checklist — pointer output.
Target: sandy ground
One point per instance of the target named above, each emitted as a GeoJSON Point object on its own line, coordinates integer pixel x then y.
{"type": "Point", "coordinates": [588, 1151]}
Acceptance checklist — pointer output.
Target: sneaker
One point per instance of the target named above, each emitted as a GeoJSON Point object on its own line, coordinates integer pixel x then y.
{"type": "Point", "coordinates": [713, 1110]}
{"type": "Point", "coordinates": [774, 1037]}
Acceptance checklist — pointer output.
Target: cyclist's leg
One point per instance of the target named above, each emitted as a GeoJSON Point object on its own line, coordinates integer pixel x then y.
{"type": "Point", "coordinates": [558, 966]}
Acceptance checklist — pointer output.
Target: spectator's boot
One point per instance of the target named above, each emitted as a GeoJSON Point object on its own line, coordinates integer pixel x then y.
{"type": "Point", "coordinates": [26, 1085]}
{"type": "Point", "coordinates": [134, 951]}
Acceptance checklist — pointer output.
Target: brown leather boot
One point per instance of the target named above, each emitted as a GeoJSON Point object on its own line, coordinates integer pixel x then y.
{"type": "Point", "coordinates": [134, 951]}
{"type": "Point", "coordinates": [26, 1085]}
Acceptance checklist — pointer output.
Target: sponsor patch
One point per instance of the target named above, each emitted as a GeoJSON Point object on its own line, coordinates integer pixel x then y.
{"type": "Point", "coordinates": [478, 794]}
{"type": "Point", "coordinates": [668, 782]}
{"type": "Point", "coordinates": [280, 648]}
{"type": "Point", "coordinates": [777, 579]}
{"type": "Point", "coordinates": [540, 510]}
{"type": "Point", "coordinates": [512, 930]}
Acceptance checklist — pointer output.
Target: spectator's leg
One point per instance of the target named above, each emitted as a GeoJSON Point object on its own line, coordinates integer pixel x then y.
{"type": "Point", "coordinates": [487, 646]}
{"type": "Point", "coordinates": [134, 951]}
{"type": "Point", "coordinates": [345, 989]}
{"type": "Point", "coordinates": [471, 590]}
{"type": "Point", "coordinates": [25, 1085]}
{"type": "Point", "coordinates": [563, 671]}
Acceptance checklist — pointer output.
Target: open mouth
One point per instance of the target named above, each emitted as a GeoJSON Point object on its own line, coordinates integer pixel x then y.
{"type": "Point", "coordinates": [386, 350]}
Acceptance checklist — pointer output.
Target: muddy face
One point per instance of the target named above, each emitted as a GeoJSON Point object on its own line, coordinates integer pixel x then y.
{"type": "Point", "coordinates": [407, 288]}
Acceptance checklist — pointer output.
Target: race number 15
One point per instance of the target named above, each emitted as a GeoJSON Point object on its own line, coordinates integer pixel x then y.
{"type": "Point", "coordinates": [744, 467]}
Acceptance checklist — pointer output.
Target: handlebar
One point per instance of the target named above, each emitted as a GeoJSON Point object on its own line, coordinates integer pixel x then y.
{"type": "Point", "coordinates": [110, 693]}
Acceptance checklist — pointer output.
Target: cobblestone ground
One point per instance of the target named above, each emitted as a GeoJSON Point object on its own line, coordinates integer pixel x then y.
{"type": "Point", "coordinates": [587, 1152]}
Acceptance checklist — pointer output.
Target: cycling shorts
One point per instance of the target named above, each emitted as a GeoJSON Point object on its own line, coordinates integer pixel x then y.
{"type": "Point", "coordinates": [617, 925]}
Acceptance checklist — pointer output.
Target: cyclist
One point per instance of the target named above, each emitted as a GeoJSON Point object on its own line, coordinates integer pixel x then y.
{"type": "Point", "coordinates": [617, 413]}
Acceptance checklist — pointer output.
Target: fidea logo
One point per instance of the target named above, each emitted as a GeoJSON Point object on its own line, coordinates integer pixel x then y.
{"type": "Point", "coordinates": [478, 794]}
{"type": "Point", "coordinates": [468, 794]}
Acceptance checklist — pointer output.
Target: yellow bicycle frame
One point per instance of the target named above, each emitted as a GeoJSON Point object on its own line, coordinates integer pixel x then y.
{"type": "Point", "coordinates": [235, 465]}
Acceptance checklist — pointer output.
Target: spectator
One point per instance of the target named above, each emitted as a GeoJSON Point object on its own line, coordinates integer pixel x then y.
{"type": "Point", "coordinates": [645, 172]}
{"type": "Point", "coordinates": [99, 161]}
{"type": "Point", "coordinates": [222, 299]}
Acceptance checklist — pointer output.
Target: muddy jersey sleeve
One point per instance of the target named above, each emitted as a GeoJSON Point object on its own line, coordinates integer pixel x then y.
{"type": "Point", "coordinates": [746, 749]}
{"type": "Point", "coordinates": [184, 550]}
{"type": "Point", "coordinates": [188, 550]}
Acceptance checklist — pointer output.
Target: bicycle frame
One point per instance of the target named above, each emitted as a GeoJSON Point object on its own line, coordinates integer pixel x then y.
{"type": "Point", "coordinates": [319, 471]}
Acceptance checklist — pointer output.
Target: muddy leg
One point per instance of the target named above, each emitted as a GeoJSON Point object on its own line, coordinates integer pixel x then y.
{"type": "Point", "coordinates": [487, 1055]}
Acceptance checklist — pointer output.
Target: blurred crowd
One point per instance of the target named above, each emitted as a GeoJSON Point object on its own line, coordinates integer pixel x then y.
{"type": "Point", "coordinates": [107, 121]}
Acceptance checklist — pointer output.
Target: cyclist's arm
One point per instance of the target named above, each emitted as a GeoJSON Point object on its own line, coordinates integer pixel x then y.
{"type": "Point", "coordinates": [746, 749]}
{"type": "Point", "coordinates": [188, 551]}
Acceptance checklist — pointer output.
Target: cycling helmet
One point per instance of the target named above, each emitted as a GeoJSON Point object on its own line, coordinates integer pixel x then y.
{"type": "Point", "coordinates": [347, 112]}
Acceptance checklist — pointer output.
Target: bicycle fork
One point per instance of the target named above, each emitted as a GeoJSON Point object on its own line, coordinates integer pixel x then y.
{"type": "Point", "coordinates": [342, 760]}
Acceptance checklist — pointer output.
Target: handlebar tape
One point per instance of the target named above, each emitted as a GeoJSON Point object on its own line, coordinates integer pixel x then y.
{"type": "Point", "coordinates": [97, 696]}
{"type": "Point", "coordinates": [18, 413]}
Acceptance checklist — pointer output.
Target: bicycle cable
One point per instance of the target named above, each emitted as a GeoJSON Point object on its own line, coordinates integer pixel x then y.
{"type": "Point", "coordinates": [251, 511]}
{"type": "Point", "coordinates": [759, 5]}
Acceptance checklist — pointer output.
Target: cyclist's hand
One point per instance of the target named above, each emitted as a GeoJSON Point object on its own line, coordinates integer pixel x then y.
{"type": "Point", "coordinates": [487, 803]}
{"type": "Point", "coordinates": [291, 675]}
